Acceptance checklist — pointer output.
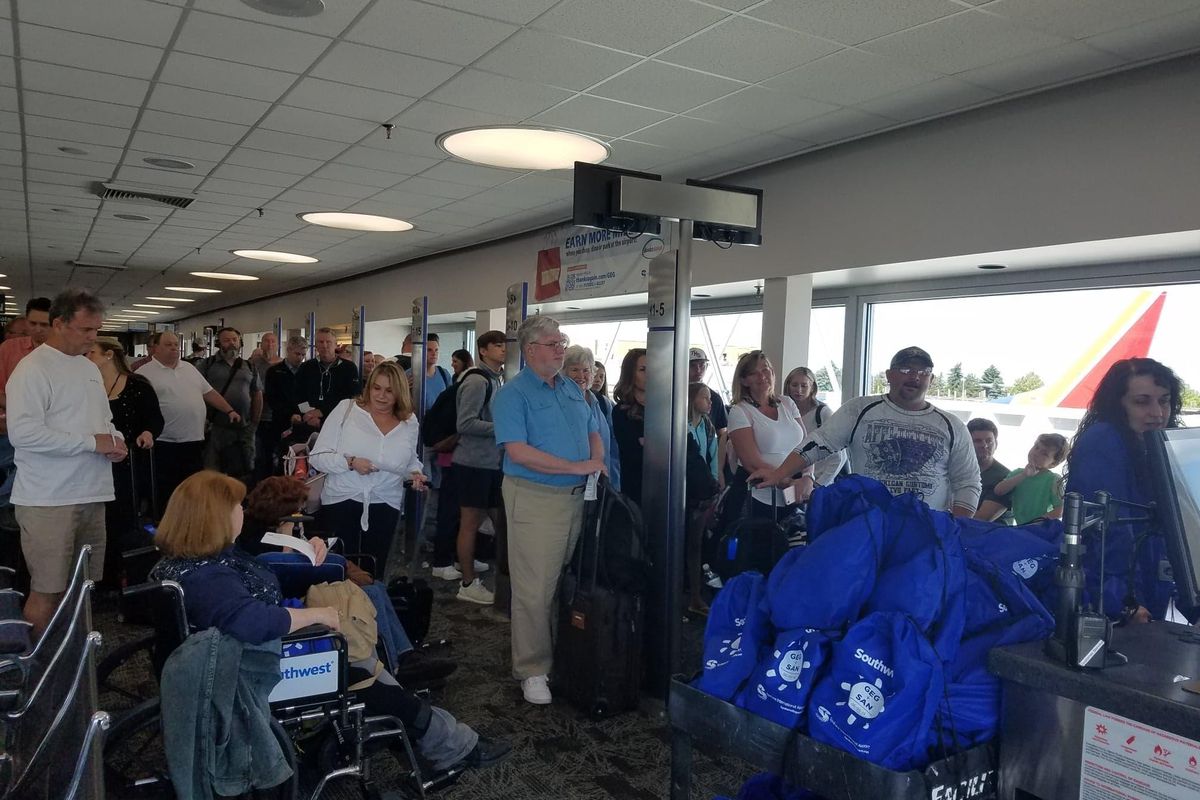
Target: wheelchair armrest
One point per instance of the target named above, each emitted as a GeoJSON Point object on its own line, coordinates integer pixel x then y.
{"type": "Point", "coordinates": [307, 632]}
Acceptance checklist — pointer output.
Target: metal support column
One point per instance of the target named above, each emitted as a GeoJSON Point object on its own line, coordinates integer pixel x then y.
{"type": "Point", "coordinates": [310, 329]}
{"type": "Point", "coordinates": [667, 340]}
{"type": "Point", "coordinates": [516, 307]}
{"type": "Point", "coordinates": [278, 328]}
{"type": "Point", "coordinates": [414, 516]}
{"type": "Point", "coordinates": [358, 335]}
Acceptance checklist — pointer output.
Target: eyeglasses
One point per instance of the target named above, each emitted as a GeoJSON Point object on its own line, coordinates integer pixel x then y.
{"type": "Point", "coordinates": [561, 344]}
{"type": "Point", "coordinates": [920, 372]}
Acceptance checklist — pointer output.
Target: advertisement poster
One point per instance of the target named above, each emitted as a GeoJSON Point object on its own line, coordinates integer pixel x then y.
{"type": "Point", "coordinates": [577, 262]}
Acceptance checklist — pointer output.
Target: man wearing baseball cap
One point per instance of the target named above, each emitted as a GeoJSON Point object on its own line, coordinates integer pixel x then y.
{"type": "Point", "coordinates": [697, 367]}
{"type": "Point", "coordinates": [899, 439]}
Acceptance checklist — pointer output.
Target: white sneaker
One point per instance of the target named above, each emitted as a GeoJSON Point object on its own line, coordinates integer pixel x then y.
{"type": "Point", "coordinates": [476, 592]}
{"type": "Point", "coordinates": [449, 573]}
{"type": "Point", "coordinates": [536, 690]}
{"type": "Point", "coordinates": [481, 567]}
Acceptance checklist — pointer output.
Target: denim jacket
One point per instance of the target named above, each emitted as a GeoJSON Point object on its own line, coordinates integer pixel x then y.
{"type": "Point", "coordinates": [216, 721]}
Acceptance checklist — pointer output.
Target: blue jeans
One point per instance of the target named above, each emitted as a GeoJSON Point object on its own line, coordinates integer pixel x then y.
{"type": "Point", "coordinates": [391, 633]}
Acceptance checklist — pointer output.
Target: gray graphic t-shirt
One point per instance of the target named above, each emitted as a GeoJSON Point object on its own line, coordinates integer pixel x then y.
{"type": "Point", "coordinates": [927, 452]}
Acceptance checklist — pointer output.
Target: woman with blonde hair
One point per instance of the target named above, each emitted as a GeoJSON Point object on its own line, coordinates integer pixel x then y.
{"type": "Point", "coordinates": [367, 448]}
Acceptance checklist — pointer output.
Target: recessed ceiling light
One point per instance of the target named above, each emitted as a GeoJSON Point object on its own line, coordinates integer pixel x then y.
{"type": "Point", "coordinates": [73, 151]}
{"type": "Point", "coordinates": [169, 163]}
{"type": "Point", "coordinates": [60, 211]}
{"type": "Point", "coordinates": [134, 311]}
{"type": "Point", "coordinates": [523, 147]}
{"type": "Point", "coordinates": [133, 217]}
{"type": "Point", "coordinates": [355, 222]}
{"type": "Point", "coordinates": [993, 266]}
{"type": "Point", "coordinates": [149, 305]}
{"type": "Point", "coordinates": [174, 299]}
{"type": "Point", "coordinates": [274, 255]}
{"type": "Point", "coordinates": [5, 288]}
{"type": "Point", "coordinates": [2, 275]}
{"type": "Point", "coordinates": [224, 276]}
{"type": "Point", "coordinates": [195, 289]}
{"type": "Point", "coordinates": [110, 252]}
{"type": "Point", "coordinates": [288, 8]}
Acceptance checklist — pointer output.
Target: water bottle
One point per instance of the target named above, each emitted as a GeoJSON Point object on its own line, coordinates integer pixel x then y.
{"type": "Point", "coordinates": [711, 578]}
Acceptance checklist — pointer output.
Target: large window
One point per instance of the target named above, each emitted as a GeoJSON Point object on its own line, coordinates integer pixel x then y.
{"type": "Point", "coordinates": [1030, 362]}
{"type": "Point", "coordinates": [826, 337]}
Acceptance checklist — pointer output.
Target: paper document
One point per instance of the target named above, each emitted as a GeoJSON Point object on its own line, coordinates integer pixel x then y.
{"type": "Point", "coordinates": [294, 542]}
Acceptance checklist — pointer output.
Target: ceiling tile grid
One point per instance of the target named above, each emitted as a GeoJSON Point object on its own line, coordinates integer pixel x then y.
{"type": "Point", "coordinates": [286, 114]}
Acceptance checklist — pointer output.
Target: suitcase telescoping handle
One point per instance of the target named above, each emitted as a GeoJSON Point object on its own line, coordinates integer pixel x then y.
{"type": "Point", "coordinates": [131, 459]}
{"type": "Point", "coordinates": [750, 487]}
{"type": "Point", "coordinates": [591, 533]}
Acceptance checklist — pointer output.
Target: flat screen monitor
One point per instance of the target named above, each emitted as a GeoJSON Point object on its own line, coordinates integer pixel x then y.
{"type": "Point", "coordinates": [1175, 472]}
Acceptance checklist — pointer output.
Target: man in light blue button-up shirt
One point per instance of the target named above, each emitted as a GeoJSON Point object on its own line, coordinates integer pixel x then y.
{"type": "Point", "coordinates": [551, 444]}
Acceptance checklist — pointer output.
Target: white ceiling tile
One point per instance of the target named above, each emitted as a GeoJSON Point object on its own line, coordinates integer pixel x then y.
{"type": "Point", "coordinates": [748, 50]}
{"type": "Point", "coordinates": [496, 94]}
{"type": "Point", "coordinates": [518, 11]}
{"type": "Point", "coordinates": [10, 141]}
{"type": "Point", "coordinates": [929, 100]}
{"type": "Point", "coordinates": [392, 161]}
{"type": "Point", "coordinates": [243, 189]}
{"type": "Point", "coordinates": [55, 79]}
{"type": "Point", "coordinates": [254, 176]}
{"type": "Point", "coordinates": [759, 149]}
{"type": "Point", "coordinates": [10, 158]}
{"type": "Point", "coordinates": [277, 162]}
{"type": "Point", "coordinates": [74, 133]}
{"type": "Point", "coordinates": [852, 23]}
{"type": "Point", "coordinates": [381, 69]}
{"type": "Point", "coordinates": [450, 218]}
{"type": "Point", "coordinates": [88, 52]}
{"type": "Point", "coordinates": [208, 130]}
{"type": "Point", "coordinates": [639, 26]}
{"type": "Point", "coordinates": [9, 121]}
{"type": "Point", "coordinates": [436, 118]}
{"type": "Point", "coordinates": [8, 72]}
{"type": "Point", "coordinates": [293, 144]}
{"type": "Point", "coordinates": [360, 176]}
{"type": "Point", "coordinates": [315, 200]}
{"type": "Point", "coordinates": [399, 204]}
{"type": "Point", "coordinates": [330, 22]}
{"type": "Point", "coordinates": [849, 77]}
{"type": "Point", "coordinates": [76, 108]}
{"type": "Point", "coordinates": [178, 146]}
{"type": "Point", "coordinates": [670, 88]}
{"type": "Point", "coordinates": [86, 169]}
{"type": "Point", "coordinates": [210, 105]}
{"type": "Point", "coordinates": [249, 43]}
{"type": "Point", "coordinates": [6, 40]}
{"type": "Point", "coordinates": [351, 191]}
{"type": "Point", "coordinates": [225, 77]}
{"type": "Point", "coordinates": [692, 135]}
{"type": "Point", "coordinates": [346, 100]}
{"type": "Point", "coordinates": [470, 174]}
{"type": "Point", "coordinates": [421, 186]}
{"type": "Point", "coordinates": [1080, 20]}
{"type": "Point", "coordinates": [596, 115]}
{"type": "Point", "coordinates": [530, 191]}
{"type": "Point", "coordinates": [1177, 33]}
{"type": "Point", "coordinates": [1064, 62]}
{"type": "Point", "coordinates": [430, 31]}
{"type": "Point", "coordinates": [542, 57]}
{"type": "Point", "coordinates": [636, 155]}
{"type": "Point", "coordinates": [955, 44]}
{"type": "Point", "coordinates": [316, 123]}
{"type": "Point", "coordinates": [128, 20]}
{"type": "Point", "coordinates": [761, 109]}
{"type": "Point", "coordinates": [845, 123]}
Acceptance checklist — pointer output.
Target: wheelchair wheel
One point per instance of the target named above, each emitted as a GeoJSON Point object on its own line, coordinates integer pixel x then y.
{"type": "Point", "coordinates": [135, 764]}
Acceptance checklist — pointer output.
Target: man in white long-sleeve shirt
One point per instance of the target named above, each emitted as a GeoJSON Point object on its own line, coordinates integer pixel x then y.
{"type": "Point", "coordinates": [61, 428]}
{"type": "Point", "coordinates": [899, 439]}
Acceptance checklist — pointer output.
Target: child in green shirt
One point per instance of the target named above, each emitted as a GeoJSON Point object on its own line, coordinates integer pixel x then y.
{"type": "Point", "coordinates": [1036, 491]}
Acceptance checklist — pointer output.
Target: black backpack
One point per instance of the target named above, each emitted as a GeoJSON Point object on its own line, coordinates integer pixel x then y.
{"type": "Point", "coordinates": [439, 428]}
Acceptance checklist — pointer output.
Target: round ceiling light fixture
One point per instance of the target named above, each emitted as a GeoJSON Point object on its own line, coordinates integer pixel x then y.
{"type": "Point", "coordinates": [194, 289]}
{"type": "Point", "coordinates": [133, 217]}
{"type": "Point", "coordinates": [523, 147]}
{"type": "Point", "coordinates": [355, 222]}
{"type": "Point", "coordinates": [73, 151]}
{"type": "Point", "coordinates": [993, 266]}
{"type": "Point", "coordinates": [288, 8]}
{"type": "Point", "coordinates": [168, 163]}
{"type": "Point", "coordinates": [274, 255]}
{"type": "Point", "coordinates": [224, 276]}
{"type": "Point", "coordinates": [174, 299]}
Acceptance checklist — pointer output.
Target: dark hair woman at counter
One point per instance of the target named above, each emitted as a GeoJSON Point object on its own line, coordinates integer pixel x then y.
{"type": "Point", "coordinates": [1108, 454]}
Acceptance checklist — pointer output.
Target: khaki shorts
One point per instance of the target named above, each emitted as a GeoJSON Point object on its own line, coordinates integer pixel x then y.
{"type": "Point", "coordinates": [51, 538]}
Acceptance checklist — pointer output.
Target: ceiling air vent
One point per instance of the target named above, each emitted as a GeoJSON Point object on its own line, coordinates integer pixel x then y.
{"type": "Point", "coordinates": [132, 193]}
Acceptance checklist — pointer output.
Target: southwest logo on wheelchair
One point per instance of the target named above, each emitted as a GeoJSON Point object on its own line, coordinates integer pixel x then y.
{"type": "Point", "coordinates": [290, 673]}
{"type": "Point", "coordinates": [306, 676]}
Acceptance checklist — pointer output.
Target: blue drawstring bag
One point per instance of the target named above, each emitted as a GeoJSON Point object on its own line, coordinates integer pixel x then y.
{"type": "Point", "coordinates": [833, 505]}
{"type": "Point", "coordinates": [824, 585]}
{"type": "Point", "coordinates": [968, 715]}
{"type": "Point", "coordinates": [923, 575]}
{"type": "Point", "coordinates": [779, 687]}
{"type": "Point", "coordinates": [878, 699]}
{"type": "Point", "coordinates": [1029, 551]}
{"type": "Point", "coordinates": [736, 631]}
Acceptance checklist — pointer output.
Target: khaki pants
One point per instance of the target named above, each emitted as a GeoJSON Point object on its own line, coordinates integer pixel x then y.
{"type": "Point", "coordinates": [51, 538]}
{"type": "Point", "coordinates": [543, 526]}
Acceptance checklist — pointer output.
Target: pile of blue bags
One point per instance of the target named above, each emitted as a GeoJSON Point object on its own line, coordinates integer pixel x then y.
{"type": "Point", "coordinates": [874, 637]}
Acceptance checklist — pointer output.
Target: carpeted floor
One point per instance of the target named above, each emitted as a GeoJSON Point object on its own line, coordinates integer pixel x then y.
{"type": "Point", "coordinates": [557, 753]}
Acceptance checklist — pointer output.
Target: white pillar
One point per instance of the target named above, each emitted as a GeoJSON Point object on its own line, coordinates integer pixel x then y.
{"type": "Point", "coordinates": [787, 309]}
{"type": "Point", "coordinates": [489, 319]}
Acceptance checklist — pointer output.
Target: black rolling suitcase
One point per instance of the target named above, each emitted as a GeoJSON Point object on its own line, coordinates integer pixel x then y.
{"type": "Point", "coordinates": [752, 543]}
{"type": "Point", "coordinates": [598, 655]}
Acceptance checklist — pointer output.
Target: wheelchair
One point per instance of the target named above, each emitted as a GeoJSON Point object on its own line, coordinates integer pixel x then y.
{"type": "Point", "coordinates": [323, 730]}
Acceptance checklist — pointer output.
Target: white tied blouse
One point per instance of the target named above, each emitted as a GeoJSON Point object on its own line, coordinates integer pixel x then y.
{"type": "Point", "coordinates": [350, 431]}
